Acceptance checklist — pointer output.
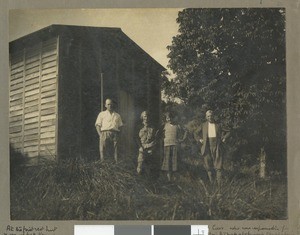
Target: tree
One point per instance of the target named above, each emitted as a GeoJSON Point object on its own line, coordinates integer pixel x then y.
{"type": "Point", "coordinates": [233, 60]}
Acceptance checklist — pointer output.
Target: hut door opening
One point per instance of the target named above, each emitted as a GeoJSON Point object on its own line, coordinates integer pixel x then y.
{"type": "Point", "coordinates": [126, 108]}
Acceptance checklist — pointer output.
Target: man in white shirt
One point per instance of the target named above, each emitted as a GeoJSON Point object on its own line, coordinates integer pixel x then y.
{"type": "Point", "coordinates": [210, 135]}
{"type": "Point", "coordinates": [108, 126]}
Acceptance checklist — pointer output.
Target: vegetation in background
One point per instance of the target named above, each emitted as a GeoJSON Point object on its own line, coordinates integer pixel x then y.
{"type": "Point", "coordinates": [233, 61]}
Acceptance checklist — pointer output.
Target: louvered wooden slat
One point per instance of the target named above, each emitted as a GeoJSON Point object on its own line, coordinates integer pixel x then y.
{"type": "Point", "coordinates": [32, 125]}
{"type": "Point", "coordinates": [48, 141]}
{"type": "Point", "coordinates": [48, 117]}
{"type": "Point", "coordinates": [15, 129]}
{"type": "Point", "coordinates": [47, 129]}
{"type": "Point", "coordinates": [49, 71]}
{"type": "Point", "coordinates": [15, 102]}
{"type": "Point", "coordinates": [48, 105]}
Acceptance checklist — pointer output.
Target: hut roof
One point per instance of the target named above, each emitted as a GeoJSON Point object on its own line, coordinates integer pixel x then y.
{"type": "Point", "coordinates": [80, 31]}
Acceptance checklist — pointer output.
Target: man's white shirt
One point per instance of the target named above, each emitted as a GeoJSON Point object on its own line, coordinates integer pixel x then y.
{"type": "Point", "coordinates": [212, 130]}
{"type": "Point", "coordinates": [109, 121]}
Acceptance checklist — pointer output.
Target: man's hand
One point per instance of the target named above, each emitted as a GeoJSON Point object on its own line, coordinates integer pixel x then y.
{"type": "Point", "coordinates": [201, 141]}
{"type": "Point", "coordinates": [141, 149]}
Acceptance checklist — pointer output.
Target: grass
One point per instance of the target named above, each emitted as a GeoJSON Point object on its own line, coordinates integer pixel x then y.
{"type": "Point", "coordinates": [77, 190]}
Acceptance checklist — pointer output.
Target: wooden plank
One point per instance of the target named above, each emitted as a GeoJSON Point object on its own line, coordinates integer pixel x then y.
{"type": "Point", "coordinates": [31, 137]}
{"type": "Point", "coordinates": [32, 70]}
{"type": "Point", "coordinates": [47, 129]}
{"type": "Point", "coordinates": [32, 76]}
{"type": "Point", "coordinates": [16, 113]}
{"type": "Point", "coordinates": [31, 120]}
{"type": "Point", "coordinates": [47, 141]}
{"type": "Point", "coordinates": [15, 129]}
{"type": "Point", "coordinates": [31, 126]}
{"type": "Point", "coordinates": [17, 145]}
{"type": "Point", "coordinates": [31, 98]}
{"type": "Point", "coordinates": [48, 48]}
{"type": "Point", "coordinates": [19, 91]}
{"type": "Point", "coordinates": [48, 117]}
{"type": "Point", "coordinates": [47, 147]}
{"type": "Point", "coordinates": [31, 103]}
{"type": "Point", "coordinates": [32, 87]}
{"type": "Point", "coordinates": [49, 65]}
{"type": "Point", "coordinates": [31, 95]}
{"type": "Point", "coordinates": [49, 53]}
{"type": "Point", "coordinates": [31, 132]}
{"type": "Point", "coordinates": [32, 54]}
{"type": "Point", "coordinates": [13, 103]}
{"type": "Point", "coordinates": [16, 118]}
{"type": "Point", "coordinates": [16, 81]}
{"type": "Point", "coordinates": [49, 82]}
{"type": "Point", "coordinates": [48, 99]}
{"type": "Point", "coordinates": [32, 64]}
{"type": "Point", "coordinates": [49, 59]}
{"type": "Point", "coordinates": [17, 139]}
{"type": "Point", "coordinates": [48, 105]}
{"type": "Point", "coordinates": [49, 70]}
{"type": "Point", "coordinates": [17, 70]}
{"type": "Point", "coordinates": [32, 154]}
{"type": "Point", "coordinates": [16, 76]}
{"type": "Point", "coordinates": [31, 115]}
{"type": "Point", "coordinates": [33, 92]}
{"type": "Point", "coordinates": [16, 123]}
{"type": "Point", "coordinates": [48, 123]}
{"type": "Point", "coordinates": [48, 111]}
{"type": "Point", "coordinates": [46, 135]}
{"type": "Point", "coordinates": [50, 42]}
{"type": "Point", "coordinates": [48, 76]}
{"type": "Point", "coordinates": [16, 86]}
{"type": "Point", "coordinates": [48, 94]}
{"type": "Point", "coordinates": [16, 58]}
{"type": "Point", "coordinates": [31, 109]}
{"type": "Point", "coordinates": [31, 149]}
{"type": "Point", "coordinates": [17, 65]}
{"type": "Point", "coordinates": [16, 97]}
{"type": "Point", "coordinates": [15, 108]}
{"type": "Point", "coordinates": [48, 88]}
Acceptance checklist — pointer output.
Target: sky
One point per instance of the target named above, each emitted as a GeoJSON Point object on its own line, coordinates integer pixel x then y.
{"type": "Point", "coordinates": [152, 29]}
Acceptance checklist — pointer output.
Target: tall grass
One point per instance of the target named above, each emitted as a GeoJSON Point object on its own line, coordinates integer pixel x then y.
{"type": "Point", "coordinates": [77, 190]}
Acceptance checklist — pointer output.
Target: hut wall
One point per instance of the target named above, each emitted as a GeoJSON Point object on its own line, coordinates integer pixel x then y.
{"type": "Point", "coordinates": [69, 100]}
{"type": "Point", "coordinates": [55, 90]}
{"type": "Point", "coordinates": [33, 98]}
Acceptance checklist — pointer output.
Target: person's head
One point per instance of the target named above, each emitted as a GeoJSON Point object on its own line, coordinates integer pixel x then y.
{"type": "Point", "coordinates": [144, 116]}
{"type": "Point", "coordinates": [210, 116]}
{"type": "Point", "coordinates": [169, 117]}
{"type": "Point", "coordinates": [109, 105]}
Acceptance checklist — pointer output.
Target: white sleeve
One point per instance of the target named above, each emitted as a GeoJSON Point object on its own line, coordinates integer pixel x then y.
{"type": "Point", "coordinates": [99, 120]}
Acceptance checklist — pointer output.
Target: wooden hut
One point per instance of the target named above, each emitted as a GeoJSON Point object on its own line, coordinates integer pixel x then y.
{"type": "Point", "coordinates": [59, 79]}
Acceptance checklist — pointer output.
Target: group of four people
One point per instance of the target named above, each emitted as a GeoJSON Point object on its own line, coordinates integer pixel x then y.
{"type": "Point", "coordinates": [209, 136]}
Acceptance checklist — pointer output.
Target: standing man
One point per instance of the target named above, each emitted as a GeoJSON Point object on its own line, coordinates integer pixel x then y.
{"type": "Point", "coordinates": [108, 126]}
{"type": "Point", "coordinates": [210, 135]}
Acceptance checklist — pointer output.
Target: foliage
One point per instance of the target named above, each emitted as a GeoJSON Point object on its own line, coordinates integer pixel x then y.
{"type": "Point", "coordinates": [233, 61]}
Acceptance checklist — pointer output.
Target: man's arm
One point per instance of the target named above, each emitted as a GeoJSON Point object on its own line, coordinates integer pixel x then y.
{"type": "Point", "coordinates": [198, 135]}
{"type": "Point", "coordinates": [225, 133]}
{"type": "Point", "coordinates": [98, 128]}
{"type": "Point", "coordinates": [98, 124]}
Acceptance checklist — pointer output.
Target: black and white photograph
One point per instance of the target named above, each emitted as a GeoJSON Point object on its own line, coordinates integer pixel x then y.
{"type": "Point", "coordinates": [157, 114]}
